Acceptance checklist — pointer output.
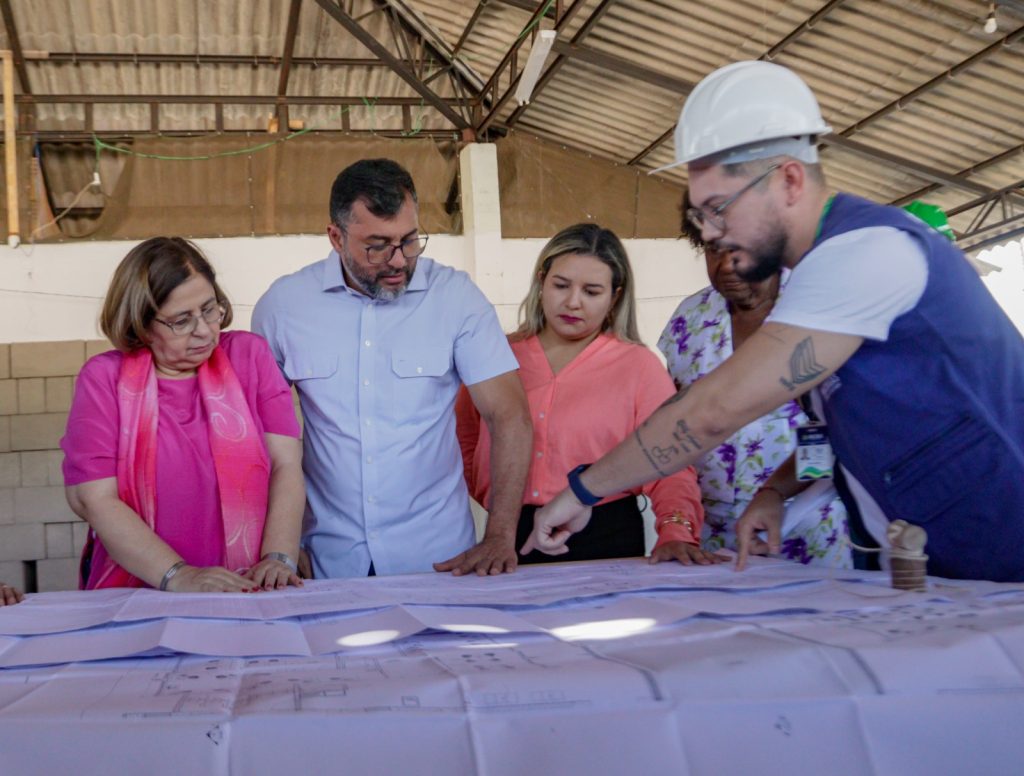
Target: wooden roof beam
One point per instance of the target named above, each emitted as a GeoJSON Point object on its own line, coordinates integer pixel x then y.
{"type": "Point", "coordinates": [413, 25]}
{"type": "Point", "coordinates": [902, 102]}
{"type": "Point", "coordinates": [399, 68]}
{"type": "Point", "coordinates": [506, 60]}
{"type": "Point", "coordinates": [258, 60]}
{"type": "Point", "coordinates": [800, 30]}
{"type": "Point", "coordinates": [999, 193]}
{"type": "Point", "coordinates": [60, 136]}
{"type": "Point", "coordinates": [795, 34]}
{"type": "Point", "coordinates": [510, 55]}
{"type": "Point", "coordinates": [920, 170]}
{"type": "Point", "coordinates": [289, 47]}
{"type": "Point", "coordinates": [531, 5]}
{"type": "Point", "coordinates": [221, 99]}
{"type": "Point", "coordinates": [468, 29]}
{"type": "Point", "coordinates": [1003, 234]}
{"type": "Point", "coordinates": [622, 66]}
{"type": "Point", "coordinates": [1002, 156]}
{"type": "Point", "coordinates": [560, 59]}
{"type": "Point", "coordinates": [14, 43]}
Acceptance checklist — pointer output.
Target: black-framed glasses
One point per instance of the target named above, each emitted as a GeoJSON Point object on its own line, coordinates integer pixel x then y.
{"type": "Point", "coordinates": [186, 324]}
{"type": "Point", "coordinates": [382, 254]}
{"type": "Point", "coordinates": [715, 216]}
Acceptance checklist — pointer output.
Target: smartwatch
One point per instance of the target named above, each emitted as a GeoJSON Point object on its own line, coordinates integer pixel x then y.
{"type": "Point", "coordinates": [584, 496]}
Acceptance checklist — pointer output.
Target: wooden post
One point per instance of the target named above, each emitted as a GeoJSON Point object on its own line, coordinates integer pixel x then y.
{"type": "Point", "coordinates": [10, 152]}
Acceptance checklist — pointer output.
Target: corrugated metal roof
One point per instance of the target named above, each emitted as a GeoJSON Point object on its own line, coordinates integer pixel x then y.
{"type": "Point", "coordinates": [918, 80]}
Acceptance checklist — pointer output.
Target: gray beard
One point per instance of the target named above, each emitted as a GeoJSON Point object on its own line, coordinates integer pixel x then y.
{"type": "Point", "coordinates": [372, 288]}
{"type": "Point", "coordinates": [385, 294]}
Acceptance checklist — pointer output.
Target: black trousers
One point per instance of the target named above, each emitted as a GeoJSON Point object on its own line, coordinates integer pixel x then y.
{"type": "Point", "coordinates": [615, 530]}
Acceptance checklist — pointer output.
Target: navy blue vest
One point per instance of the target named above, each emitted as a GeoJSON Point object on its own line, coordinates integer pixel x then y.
{"type": "Point", "coordinates": [931, 421]}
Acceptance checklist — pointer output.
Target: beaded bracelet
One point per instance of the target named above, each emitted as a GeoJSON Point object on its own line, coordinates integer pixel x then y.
{"type": "Point", "coordinates": [282, 558]}
{"type": "Point", "coordinates": [169, 574]}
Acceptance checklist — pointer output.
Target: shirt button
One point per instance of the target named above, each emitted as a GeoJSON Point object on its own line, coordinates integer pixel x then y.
{"type": "Point", "coordinates": [369, 459]}
{"type": "Point", "coordinates": [542, 416]}
{"type": "Point", "coordinates": [536, 493]}
{"type": "Point", "coordinates": [369, 422]}
{"type": "Point", "coordinates": [366, 382]}
{"type": "Point", "coordinates": [309, 373]}
{"type": "Point", "coordinates": [367, 343]}
{"type": "Point", "coordinates": [373, 534]}
{"type": "Point", "coordinates": [370, 499]}
{"type": "Point", "coordinates": [540, 454]}
{"type": "Point", "coordinates": [419, 370]}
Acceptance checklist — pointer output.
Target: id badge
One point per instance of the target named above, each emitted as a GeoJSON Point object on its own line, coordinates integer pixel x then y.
{"type": "Point", "coordinates": [814, 458]}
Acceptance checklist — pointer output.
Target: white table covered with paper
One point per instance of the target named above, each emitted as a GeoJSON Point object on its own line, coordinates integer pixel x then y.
{"type": "Point", "coordinates": [592, 668]}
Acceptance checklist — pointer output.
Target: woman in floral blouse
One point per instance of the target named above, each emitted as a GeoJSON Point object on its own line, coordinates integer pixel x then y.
{"type": "Point", "coordinates": [702, 333]}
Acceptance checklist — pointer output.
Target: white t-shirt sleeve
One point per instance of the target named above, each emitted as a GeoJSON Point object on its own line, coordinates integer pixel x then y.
{"type": "Point", "coordinates": [856, 283]}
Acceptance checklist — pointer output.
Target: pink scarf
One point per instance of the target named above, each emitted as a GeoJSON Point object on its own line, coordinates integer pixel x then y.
{"type": "Point", "coordinates": [239, 459]}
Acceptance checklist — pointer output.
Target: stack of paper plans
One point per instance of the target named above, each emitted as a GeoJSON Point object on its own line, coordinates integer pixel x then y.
{"type": "Point", "coordinates": [569, 602]}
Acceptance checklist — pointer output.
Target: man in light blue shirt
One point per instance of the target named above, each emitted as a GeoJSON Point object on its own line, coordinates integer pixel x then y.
{"type": "Point", "coordinates": [377, 341]}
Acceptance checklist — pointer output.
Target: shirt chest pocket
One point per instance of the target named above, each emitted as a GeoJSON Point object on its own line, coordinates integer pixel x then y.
{"type": "Point", "coordinates": [310, 366]}
{"type": "Point", "coordinates": [311, 375]}
{"type": "Point", "coordinates": [422, 380]}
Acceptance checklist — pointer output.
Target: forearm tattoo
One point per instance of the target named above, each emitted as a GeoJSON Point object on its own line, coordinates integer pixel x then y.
{"type": "Point", "coordinates": [677, 396]}
{"type": "Point", "coordinates": [665, 457]}
{"type": "Point", "coordinates": [803, 366]}
{"type": "Point", "coordinates": [687, 441]}
{"type": "Point", "coordinates": [653, 457]}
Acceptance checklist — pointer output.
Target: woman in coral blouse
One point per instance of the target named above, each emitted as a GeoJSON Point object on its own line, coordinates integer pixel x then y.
{"type": "Point", "coordinates": [590, 383]}
{"type": "Point", "coordinates": [182, 448]}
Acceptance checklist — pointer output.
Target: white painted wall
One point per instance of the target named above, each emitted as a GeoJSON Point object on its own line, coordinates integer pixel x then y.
{"type": "Point", "coordinates": [53, 292]}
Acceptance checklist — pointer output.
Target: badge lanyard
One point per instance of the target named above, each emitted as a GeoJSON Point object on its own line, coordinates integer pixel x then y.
{"type": "Point", "coordinates": [814, 457]}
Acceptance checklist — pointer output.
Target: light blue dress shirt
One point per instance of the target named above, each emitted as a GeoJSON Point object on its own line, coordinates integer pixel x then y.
{"type": "Point", "coordinates": [377, 383]}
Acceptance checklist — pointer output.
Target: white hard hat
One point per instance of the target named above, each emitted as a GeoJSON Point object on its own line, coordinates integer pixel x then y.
{"type": "Point", "coordinates": [746, 104]}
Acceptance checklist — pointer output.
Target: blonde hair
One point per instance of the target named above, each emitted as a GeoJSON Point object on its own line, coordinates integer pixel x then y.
{"type": "Point", "coordinates": [143, 281]}
{"type": "Point", "coordinates": [603, 245]}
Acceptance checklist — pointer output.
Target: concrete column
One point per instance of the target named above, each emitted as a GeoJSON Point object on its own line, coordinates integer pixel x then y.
{"type": "Point", "coordinates": [481, 217]}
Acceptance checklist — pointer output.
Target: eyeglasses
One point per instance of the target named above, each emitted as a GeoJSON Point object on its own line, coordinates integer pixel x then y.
{"type": "Point", "coordinates": [715, 216]}
{"type": "Point", "coordinates": [186, 324]}
{"type": "Point", "coordinates": [382, 254]}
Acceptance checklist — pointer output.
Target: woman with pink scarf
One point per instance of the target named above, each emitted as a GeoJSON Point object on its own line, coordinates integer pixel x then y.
{"type": "Point", "coordinates": [182, 449]}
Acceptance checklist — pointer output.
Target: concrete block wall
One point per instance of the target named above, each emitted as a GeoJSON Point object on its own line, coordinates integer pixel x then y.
{"type": "Point", "coordinates": [41, 539]}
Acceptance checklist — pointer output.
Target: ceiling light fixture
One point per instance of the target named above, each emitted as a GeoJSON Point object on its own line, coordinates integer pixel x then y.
{"type": "Point", "coordinates": [991, 25]}
{"type": "Point", "coordinates": [534, 64]}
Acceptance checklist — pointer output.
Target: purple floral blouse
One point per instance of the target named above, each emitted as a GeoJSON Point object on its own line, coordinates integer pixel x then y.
{"type": "Point", "coordinates": [696, 340]}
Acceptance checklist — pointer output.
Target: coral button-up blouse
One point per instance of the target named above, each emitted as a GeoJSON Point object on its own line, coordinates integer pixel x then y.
{"type": "Point", "coordinates": [579, 415]}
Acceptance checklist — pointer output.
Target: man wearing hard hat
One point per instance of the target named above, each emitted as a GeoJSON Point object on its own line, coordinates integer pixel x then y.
{"type": "Point", "coordinates": [916, 372]}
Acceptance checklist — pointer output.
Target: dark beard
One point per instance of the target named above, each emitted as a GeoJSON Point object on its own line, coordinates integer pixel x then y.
{"type": "Point", "coordinates": [767, 260]}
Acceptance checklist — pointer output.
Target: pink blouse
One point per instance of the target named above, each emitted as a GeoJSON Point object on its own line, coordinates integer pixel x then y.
{"type": "Point", "coordinates": [579, 415]}
{"type": "Point", "coordinates": [188, 515]}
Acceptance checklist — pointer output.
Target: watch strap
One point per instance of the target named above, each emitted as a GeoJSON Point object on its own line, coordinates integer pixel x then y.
{"type": "Point", "coordinates": [584, 496]}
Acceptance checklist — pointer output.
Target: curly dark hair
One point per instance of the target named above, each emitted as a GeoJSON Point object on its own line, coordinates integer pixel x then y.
{"type": "Point", "coordinates": [687, 228]}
